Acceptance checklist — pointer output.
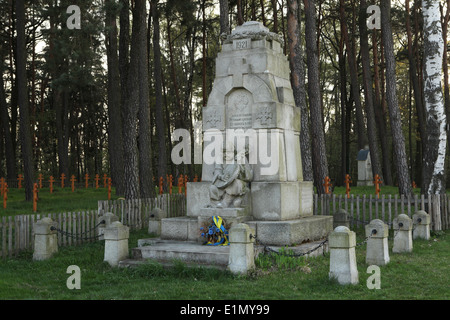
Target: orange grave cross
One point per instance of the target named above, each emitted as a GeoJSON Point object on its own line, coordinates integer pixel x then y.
{"type": "Point", "coordinates": [40, 180]}
{"type": "Point", "coordinates": [109, 188]}
{"type": "Point", "coordinates": [86, 179]}
{"type": "Point", "coordinates": [63, 177]}
{"type": "Point", "coordinates": [180, 183]}
{"type": "Point", "coordinates": [51, 180]}
{"type": "Point", "coordinates": [327, 185]}
{"type": "Point", "coordinates": [20, 179]}
{"type": "Point", "coordinates": [72, 180]}
{"type": "Point", "coordinates": [97, 178]}
{"type": "Point", "coordinates": [161, 180]}
{"type": "Point", "coordinates": [2, 185]}
{"type": "Point", "coordinates": [5, 194]}
{"type": "Point", "coordinates": [377, 183]}
{"type": "Point", "coordinates": [170, 184]}
{"type": "Point", "coordinates": [347, 185]}
{"type": "Point", "coordinates": [185, 184]}
{"type": "Point", "coordinates": [195, 178]}
{"type": "Point", "coordinates": [105, 180]}
{"type": "Point", "coordinates": [35, 197]}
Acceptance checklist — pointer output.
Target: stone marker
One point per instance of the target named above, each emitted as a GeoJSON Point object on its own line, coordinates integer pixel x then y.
{"type": "Point", "coordinates": [154, 223]}
{"type": "Point", "coordinates": [377, 245]}
{"type": "Point", "coordinates": [342, 244]}
{"type": "Point", "coordinates": [116, 243]}
{"type": "Point", "coordinates": [365, 175]}
{"type": "Point", "coordinates": [422, 222]}
{"type": "Point", "coordinates": [45, 240]}
{"type": "Point", "coordinates": [241, 258]}
{"type": "Point", "coordinates": [341, 218]}
{"type": "Point", "coordinates": [402, 234]}
{"type": "Point", "coordinates": [106, 220]}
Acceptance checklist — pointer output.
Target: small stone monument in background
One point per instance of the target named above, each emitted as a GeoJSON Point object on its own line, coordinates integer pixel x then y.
{"type": "Point", "coordinates": [365, 175]}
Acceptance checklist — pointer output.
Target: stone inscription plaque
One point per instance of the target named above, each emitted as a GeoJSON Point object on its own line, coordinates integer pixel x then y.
{"type": "Point", "coordinates": [239, 110]}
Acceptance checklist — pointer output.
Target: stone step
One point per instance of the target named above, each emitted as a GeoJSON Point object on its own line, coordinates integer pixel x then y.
{"type": "Point", "coordinates": [194, 254]}
{"type": "Point", "coordinates": [185, 251]}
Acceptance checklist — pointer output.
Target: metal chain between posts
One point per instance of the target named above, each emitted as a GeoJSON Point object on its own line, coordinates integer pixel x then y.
{"type": "Point", "coordinates": [79, 235]}
{"type": "Point", "coordinates": [267, 249]}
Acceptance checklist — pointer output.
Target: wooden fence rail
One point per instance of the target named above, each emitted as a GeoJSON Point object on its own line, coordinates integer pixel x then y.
{"type": "Point", "coordinates": [364, 208]}
{"type": "Point", "coordinates": [74, 228]}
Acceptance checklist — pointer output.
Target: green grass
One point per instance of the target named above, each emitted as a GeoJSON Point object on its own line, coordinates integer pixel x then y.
{"type": "Point", "coordinates": [422, 274]}
{"type": "Point", "coordinates": [61, 200]}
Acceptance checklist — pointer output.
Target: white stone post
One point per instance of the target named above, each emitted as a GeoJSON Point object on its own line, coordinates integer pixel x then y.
{"type": "Point", "coordinates": [45, 240]}
{"type": "Point", "coordinates": [402, 234]}
{"type": "Point", "coordinates": [377, 245]}
{"type": "Point", "coordinates": [116, 243]}
{"type": "Point", "coordinates": [422, 222]}
{"type": "Point", "coordinates": [242, 255]}
{"type": "Point", "coordinates": [154, 223]}
{"type": "Point", "coordinates": [342, 244]}
{"type": "Point", "coordinates": [107, 219]}
{"type": "Point", "coordinates": [341, 218]}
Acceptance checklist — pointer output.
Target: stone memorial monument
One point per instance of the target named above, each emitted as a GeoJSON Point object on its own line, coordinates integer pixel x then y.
{"type": "Point", "coordinates": [252, 170]}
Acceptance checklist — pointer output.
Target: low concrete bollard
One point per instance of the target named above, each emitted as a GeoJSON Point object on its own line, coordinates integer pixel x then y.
{"type": "Point", "coordinates": [341, 243]}
{"type": "Point", "coordinates": [106, 220]}
{"type": "Point", "coordinates": [116, 243]}
{"type": "Point", "coordinates": [377, 245]}
{"type": "Point", "coordinates": [154, 223]}
{"type": "Point", "coordinates": [341, 218]}
{"type": "Point", "coordinates": [402, 234]}
{"type": "Point", "coordinates": [45, 240]}
{"type": "Point", "coordinates": [242, 255]}
{"type": "Point", "coordinates": [422, 221]}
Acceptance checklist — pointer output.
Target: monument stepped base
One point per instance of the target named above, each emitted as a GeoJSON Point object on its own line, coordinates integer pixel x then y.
{"type": "Point", "coordinates": [195, 254]}
{"type": "Point", "coordinates": [276, 233]}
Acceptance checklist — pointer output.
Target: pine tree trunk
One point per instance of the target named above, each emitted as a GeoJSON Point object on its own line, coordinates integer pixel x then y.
{"type": "Point", "coordinates": [319, 156]}
{"type": "Point", "coordinates": [224, 23]}
{"type": "Point", "coordinates": [22, 90]}
{"type": "Point", "coordinates": [145, 136]}
{"type": "Point", "coordinates": [404, 181]}
{"type": "Point", "coordinates": [360, 126]}
{"type": "Point", "coordinates": [131, 108]}
{"type": "Point", "coordinates": [9, 148]}
{"type": "Point", "coordinates": [115, 139]}
{"type": "Point", "coordinates": [298, 84]}
{"type": "Point", "coordinates": [159, 116]}
{"type": "Point", "coordinates": [368, 92]}
{"type": "Point", "coordinates": [434, 160]}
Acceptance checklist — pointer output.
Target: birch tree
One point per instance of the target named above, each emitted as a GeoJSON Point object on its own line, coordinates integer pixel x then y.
{"type": "Point", "coordinates": [434, 101]}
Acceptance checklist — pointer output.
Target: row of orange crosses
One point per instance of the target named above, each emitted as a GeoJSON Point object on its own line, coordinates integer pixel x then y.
{"type": "Point", "coordinates": [327, 184]}
{"type": "Point", "coordinates": [182, 181]}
